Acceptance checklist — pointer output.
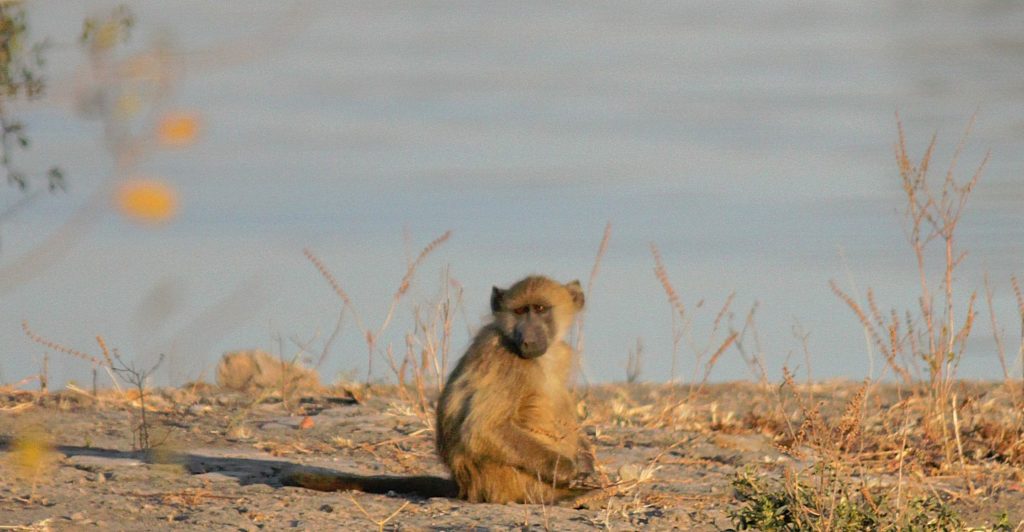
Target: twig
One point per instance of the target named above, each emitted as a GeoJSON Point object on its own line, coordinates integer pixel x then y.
{"type": "Point", "coordinates": [601, 249]}
{"type": "Point", "coordinates": [380, 523]}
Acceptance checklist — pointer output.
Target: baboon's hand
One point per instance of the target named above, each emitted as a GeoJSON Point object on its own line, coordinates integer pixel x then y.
{"type": "Point", "coordinates": [561, 471]}
{"type": "Point", "coordinates": [584, 463]}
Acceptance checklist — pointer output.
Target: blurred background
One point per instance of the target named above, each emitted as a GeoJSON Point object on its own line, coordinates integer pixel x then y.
{"type": "Point", "coordinates": [752, 142]}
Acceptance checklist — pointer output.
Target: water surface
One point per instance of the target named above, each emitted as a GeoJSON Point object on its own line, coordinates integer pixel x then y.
{"type": "Point", "coordinates": [752, 142]}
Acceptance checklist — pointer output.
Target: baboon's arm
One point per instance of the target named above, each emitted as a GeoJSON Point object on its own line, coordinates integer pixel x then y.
{"type": "Point", "coordinates": [521, 448]}
{"type": "Point", "coordinates": [501, 433]}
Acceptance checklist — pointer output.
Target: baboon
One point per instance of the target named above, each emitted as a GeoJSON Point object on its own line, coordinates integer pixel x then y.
{"type": "Point", "coordinates": [506, 422]}
{"type": "Point", "coordinates": [255, 371]}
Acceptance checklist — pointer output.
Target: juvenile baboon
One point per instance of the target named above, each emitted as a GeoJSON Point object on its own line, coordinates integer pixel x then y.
{"type": "Point", "coordinates": [506, 420]}
{"type": "Point", "coordinates": [256, 371]}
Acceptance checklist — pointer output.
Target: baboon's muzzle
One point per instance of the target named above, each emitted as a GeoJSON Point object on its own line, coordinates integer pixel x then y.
{"type": "Point", "coordinates": [531, 337]}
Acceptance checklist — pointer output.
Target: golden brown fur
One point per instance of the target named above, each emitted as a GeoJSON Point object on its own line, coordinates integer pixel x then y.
{"type": "Point", "coordinates": [256, 371]}
{"type": "Point", "coordinates": [506, 423]}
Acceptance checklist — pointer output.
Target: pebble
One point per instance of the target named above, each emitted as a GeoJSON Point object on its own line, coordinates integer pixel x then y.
{"type": "Point", "coordinates": [629, 472]}
{"type": "Point", "coordinates": [197, 410]}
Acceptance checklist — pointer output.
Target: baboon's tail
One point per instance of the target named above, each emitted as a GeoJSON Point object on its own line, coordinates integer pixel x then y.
{"type": "Point", "coordinates": [321, 479]}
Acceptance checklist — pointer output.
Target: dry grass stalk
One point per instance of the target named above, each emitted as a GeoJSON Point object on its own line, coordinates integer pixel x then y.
{"type": "Point", "coordinates": [54, 346]}
{"type": "Point", "coordinates": [997, 332]}
{"type": "Point", "coordinates": [602, 248]}
{"type": "Point", "coordinates": [379, 522]}
{"type": "Point", "coordinates": [329, 342]}
{"type": "Point", "coordinates": [427, 350]}
{"type": "Point", "coordinates": [635, 362]}
{"type": "Point", "coordinates": [884, 332]}
{"type": "Point", "coordinates": [679, 318]}
{"type": "Point", "coordinates": [1020, 310]}
{"type": "Point", "coordinates": [372, 337]}
{"type": "Point", "coordinates": [754, 359]}
{"type": "Point", "coordinates": [682, 329]}
{"type": "Point", "coordinates": [8, 388]}
{"type": "Point", "coordinates": [328, 276]}
{"type": "Point", "coordinates": [662, 275]}
{"type": "Point", "coordinates": [107, 363]}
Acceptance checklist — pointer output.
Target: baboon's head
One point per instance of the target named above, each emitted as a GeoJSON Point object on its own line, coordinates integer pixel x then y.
{"type": "Point", "coordinates": [535, 313]}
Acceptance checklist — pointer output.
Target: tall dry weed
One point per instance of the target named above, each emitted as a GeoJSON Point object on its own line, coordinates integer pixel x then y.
{"type": "Point", "coordinates": [934, 334]}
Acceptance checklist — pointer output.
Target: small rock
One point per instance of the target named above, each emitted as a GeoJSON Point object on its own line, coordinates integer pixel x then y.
{"type": "Point", "coordinates": [198, 409]}
{"type": "Point", "coordinates": [628, 472]}
{"type": "Point", "coordinates": [327, 508]}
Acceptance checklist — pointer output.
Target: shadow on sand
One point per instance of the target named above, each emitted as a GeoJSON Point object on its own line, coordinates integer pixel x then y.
{"type": "Point", "coordinates": [272, 472]}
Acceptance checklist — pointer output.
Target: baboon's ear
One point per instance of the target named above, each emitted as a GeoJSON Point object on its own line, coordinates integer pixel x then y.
{"type": "Point", "coordinates": [576, 291]}
{"type": "Point", "coordinates": [496, 296]}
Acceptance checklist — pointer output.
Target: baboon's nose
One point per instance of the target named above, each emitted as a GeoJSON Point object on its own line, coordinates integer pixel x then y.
{"type": "Point", "coordinates": [532, 347]}
{"type": "Point", "coordinates": [530, 339]}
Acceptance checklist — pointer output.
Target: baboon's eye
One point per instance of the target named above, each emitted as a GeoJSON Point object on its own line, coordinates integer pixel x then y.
{"type": "Point", "coordinates": [539, 309]}
{"type": "Point", "coordinates": [521, 310]}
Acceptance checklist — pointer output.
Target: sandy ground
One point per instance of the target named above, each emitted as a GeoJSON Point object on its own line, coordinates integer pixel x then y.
{"type": "Point", "coordinates": [219, 459]}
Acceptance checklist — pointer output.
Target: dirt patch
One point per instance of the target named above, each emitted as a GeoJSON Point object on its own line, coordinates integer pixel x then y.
{"type": "Point", "coordinates": [66, 462]}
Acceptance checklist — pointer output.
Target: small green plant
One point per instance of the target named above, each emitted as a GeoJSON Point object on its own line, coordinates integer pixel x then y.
{"type": "Point", "coordinates": [1002, 523]}
{"type": "Point", "coordinates": [793, 504]}
{"type": "Point", "coordinates": [830, 503]}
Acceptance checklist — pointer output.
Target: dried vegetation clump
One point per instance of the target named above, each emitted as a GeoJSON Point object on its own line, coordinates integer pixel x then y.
{"type": "Point", "coordinates": [256, 371]}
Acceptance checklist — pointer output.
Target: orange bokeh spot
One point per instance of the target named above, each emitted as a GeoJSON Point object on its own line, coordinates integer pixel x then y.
{"type": "Point", "coordinates": [147, 201]}
{"type": "Point", "coordinates": [178, 129]}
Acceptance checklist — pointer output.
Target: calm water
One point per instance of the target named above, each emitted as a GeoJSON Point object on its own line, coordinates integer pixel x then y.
{"type": "Point", "coordinates": [751, 141]}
